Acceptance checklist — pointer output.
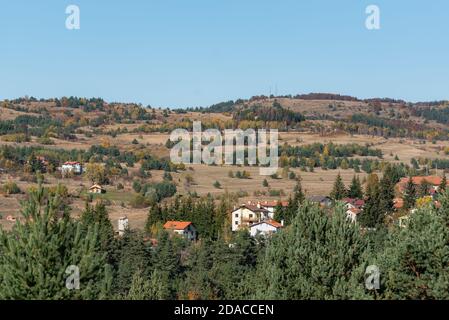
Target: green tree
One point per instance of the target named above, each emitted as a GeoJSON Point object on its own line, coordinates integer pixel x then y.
{"type": "Point", "coordinates": [443, 184]}
{"type": "Point", "coordinates": [414, 263]}
{"type": "Point", "coordinates": [409, 194]}
{"type": "Point", "coordinates": [339, 189]}
{"type": "Point", "coordinates": [355, 189]}
{"type": "Point", "coordinates": [316, 258]}
{"type": "Point", "coordinates": [36, 253]}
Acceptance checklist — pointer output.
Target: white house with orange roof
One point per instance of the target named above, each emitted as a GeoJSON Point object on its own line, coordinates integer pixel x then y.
{"type": "Point", "coordinates": [183, 228]}
{"type": "Point", "coordinates": [246, 215]}
{"type": "Point", "coordinates": [265, 228]}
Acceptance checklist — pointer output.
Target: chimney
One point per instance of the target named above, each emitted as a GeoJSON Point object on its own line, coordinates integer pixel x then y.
{"type": "Point", "coordinates": [282, 222]}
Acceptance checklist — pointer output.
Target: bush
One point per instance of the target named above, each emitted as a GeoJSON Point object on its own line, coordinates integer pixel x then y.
{"type": "Point", "coordinates": [11, 188]}
{"type": "Point", "coordinates": [45, 141]}
{"type": "Point", "coordinates": [17, 137]}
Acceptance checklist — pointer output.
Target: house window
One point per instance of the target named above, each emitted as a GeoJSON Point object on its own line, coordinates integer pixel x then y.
{"type": "Point", "coordinates": [250, 215]}
{"type": "Point", "coordinates": [236, 222]}
{"type": "Point", "coordinates": [236, 215]}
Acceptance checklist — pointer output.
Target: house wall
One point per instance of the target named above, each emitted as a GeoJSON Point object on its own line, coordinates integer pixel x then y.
{"type": "Point", "coordinates": [263, 228]}
{"type": "Point", "coordinates": [240, 215]}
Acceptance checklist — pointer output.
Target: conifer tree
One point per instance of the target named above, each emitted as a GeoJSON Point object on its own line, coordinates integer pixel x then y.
{"type": "Point", "coordinates": [134, 255]}
{"type": "Point", "coordinates": [355, 189]}
{"type": "Point", "coordinates": [313, 259]}
{"type": "Point", "coordinates": [409, 194]}
{"type": "Point", "coordinates": [339, 190]}
{"type": "Point", "coordinates": [443, 184]}
{"type": "Point", "coordinates": [36, 254]}
{"type": "Point", "coordinates": [386, 196]}
{"type": "Point", "coordinates": [414, 263]}
{"type": "Point", "coordinates": [288, 213]}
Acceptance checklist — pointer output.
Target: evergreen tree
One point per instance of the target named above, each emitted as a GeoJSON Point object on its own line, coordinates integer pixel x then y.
{"type": "Point", "coordinates": [409, 194]}
{"type": "Point", "coordinates": [414, 263]}
{"type": "Point", "coordinates": [372, 184]}
{"type": "Point", "coordinates": [372, 216]}
{"type": "Point", "coordinates": [386, 196]}
{"type": "Point", "coordinates": [355, 189]}
{"type": "Point", "coordinates": [424, 189]}
{"type": "Point", "coordinates": [443, 184]}
{"type": "Point", "coordinates": [154, 288]}
{"type": "Point", "coordinates": [36, 254]}
{"type": "Point", "coordinates": [288, 213]}
{"type": "Point", "coordinates": [99, 215]}
{"type": "Point", "coordinates": [339, 190]}
{"type": "Point", "coordinates": [315, 258]}
{"type": "Point", "coordinates": [133, 256]}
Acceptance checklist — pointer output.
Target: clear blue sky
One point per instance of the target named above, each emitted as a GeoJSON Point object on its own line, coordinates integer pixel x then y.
{"type": "Point", "coordinates": [181, 53]}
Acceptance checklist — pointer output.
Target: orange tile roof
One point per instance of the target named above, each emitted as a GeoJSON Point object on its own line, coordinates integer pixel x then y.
{"type": "Point", "coordinates": [398, 203]}
{"type": "Point", "coordinates": [434, 180]}
{"type": "Point", "coordinates": [71, 163]}
{"type": "Point", "coordinates": [274, 223]}
{"type": "Point", "coordinates": [355, 210]}
{"type": "Point", "coordinates": [177, 225]}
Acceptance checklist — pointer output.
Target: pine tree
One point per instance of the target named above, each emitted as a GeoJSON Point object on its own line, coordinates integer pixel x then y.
{"type": "Point", "coordinates": [339, 190]}
{"type": "Point", "coordinates": [99, 215]}
{"type": "Point", "coordinates": [355, 189]}
{"type": "Point", "coordinates": [154, 288]}
{"type": "Point", "coordinates": [36, 253]}
{"type": "Point", "coordinates": [372, 216]}
{"type": "Point", "coordinates": [134, 255]}
{"type": "Point", "coordinates": [409, 194]}
{"type": "Point", "coordinates": [386, 196]}
{"type": "Point", "coordinates": [443, 184]}
{"type": "Point", "coordinates": [315, 258]}
{"type": "Point", "coordinates": [288, 213]}
{"type": "Point", "coordinates": [414, 263]}
{"type": "Point", "coordinates": [371, 184]}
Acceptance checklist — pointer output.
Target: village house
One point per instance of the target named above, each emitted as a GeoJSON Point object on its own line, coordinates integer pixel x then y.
{"type": "Point", "coordinates": [247, 215]}
{"type": "Point", "coordinates": [96, 188]}
{"type": "Point", "coordinates": [323, 201]}
{"type": "Point", "coordinates": [72, 167]}
{"type": "Point", "coordinates": [433, 182]}
{"type": "Point", "coordinates": [352, 214]}
{"type": "Point", "coordinates": [265, 228]}
{"type": "Point", "coordinates": [183, 228]}
{"type": "Point", "coordinates": [353, 203]}
{"type": "Point", "coordinates": [269, 205]}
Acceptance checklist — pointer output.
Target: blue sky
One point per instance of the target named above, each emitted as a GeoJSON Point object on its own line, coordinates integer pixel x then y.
{"type": "Point", "coordinates": [180, 53]}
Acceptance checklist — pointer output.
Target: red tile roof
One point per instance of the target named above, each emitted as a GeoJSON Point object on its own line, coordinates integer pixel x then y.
{"type": "Point", "coordinates": [177, 225]}
{"type": "Point", "coordinates": [433, 180]}
{"type": "Point", "coordinates": [71, 163]}
{"type": "Point", "coordinates": [398, 203]}
{"type": "Point", "coordinates": [274, 223]}
{"type": "Point", "coordinates": [271, 222]}
{"type": "Point", "coordinates": [355, 210]}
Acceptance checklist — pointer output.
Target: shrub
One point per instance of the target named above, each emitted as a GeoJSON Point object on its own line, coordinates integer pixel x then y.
{"type": "Point", "coordinates": [11, 187]}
